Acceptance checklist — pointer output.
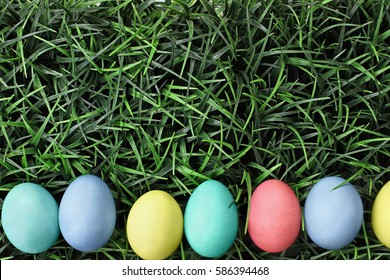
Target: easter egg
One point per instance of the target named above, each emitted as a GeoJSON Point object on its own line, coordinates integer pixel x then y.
{"type": "Point", "coordinates": [155, 225]}
{"type": "Point", "coordinates": [333, 213]}
{"type": "Point", "coordinates": [87, 213]}
{"type": "Point", "coordinates": [30, 218]}
{"type": "Point", "coordinates": [211, 219]}
{"type": "Point", "coordinates": [274, 216]}
{"type": "Point", "coordinates": [380, 215]}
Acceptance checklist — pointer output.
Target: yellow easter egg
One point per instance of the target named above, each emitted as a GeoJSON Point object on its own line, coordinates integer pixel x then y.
{"type": "Point", "coordinates": [155, 225]}
{"type": "Point", "coordinates": [380, 215]}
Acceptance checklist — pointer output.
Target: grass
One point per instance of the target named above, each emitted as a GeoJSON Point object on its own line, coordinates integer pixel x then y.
{"type": "Point", "coordinates": [154, 96]}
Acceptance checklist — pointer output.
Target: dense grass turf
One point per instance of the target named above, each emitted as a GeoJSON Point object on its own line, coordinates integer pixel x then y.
{"type": "Point", "coordinates": [164, 97]}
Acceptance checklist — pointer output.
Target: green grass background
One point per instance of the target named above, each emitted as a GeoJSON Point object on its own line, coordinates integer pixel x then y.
{"type": "Point", "coordinates": [150, 96]}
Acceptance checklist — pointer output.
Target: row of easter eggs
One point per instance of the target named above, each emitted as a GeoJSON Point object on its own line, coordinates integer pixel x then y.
{"type": "Point", "coordinates": [86, 217]}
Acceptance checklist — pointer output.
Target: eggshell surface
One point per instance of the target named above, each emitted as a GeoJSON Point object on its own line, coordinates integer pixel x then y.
{"type": "Point", "coordinates": [380, 215]}
{"type": "Point", "coordinates": [30, 218]}
{"type": "Point", "coordinates": [274, 216]}
{"type": "Point", "coordinates": [333, 213]}
{"type": "Point", "coordinates": [211, 219]}
{"type": "Point", "coordinates": [87, 213]}
{"type": "Point", "coordinates": [155, 225]}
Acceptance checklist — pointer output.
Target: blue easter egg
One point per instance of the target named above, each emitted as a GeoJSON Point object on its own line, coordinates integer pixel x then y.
{"type": "Point", "coordinates": [87, 213]}
{"type": "Point", "coordinates": [333, 213]}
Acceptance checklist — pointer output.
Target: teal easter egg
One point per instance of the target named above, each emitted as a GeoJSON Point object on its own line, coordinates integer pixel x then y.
{"type": "Point", "coordinates": [30, 218]}
{"type": "Point", "coordinates": [211, 219]}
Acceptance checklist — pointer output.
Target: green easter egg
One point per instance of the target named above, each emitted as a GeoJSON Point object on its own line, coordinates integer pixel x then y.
{"type": "Point", "coordinates": [30, 218]}
{"type": "Point", "coordinates": [211, 219]}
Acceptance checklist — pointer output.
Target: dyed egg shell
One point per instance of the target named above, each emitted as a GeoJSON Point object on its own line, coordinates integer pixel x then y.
{"type": "Point", "coordinates": [211, 219]}
{"type": "Point", "coordinates": [380, 215]}
{"type": "Point", "coordinates": [87, 213]}
{"type": "Point", "coordinates": [30, 218]}
{"type": "Point", "coordinates": [333, 213]}
{"type": "Point", "coordinates": [274, 216]}
{"type": "Point", "coordinates": [155, 225]}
